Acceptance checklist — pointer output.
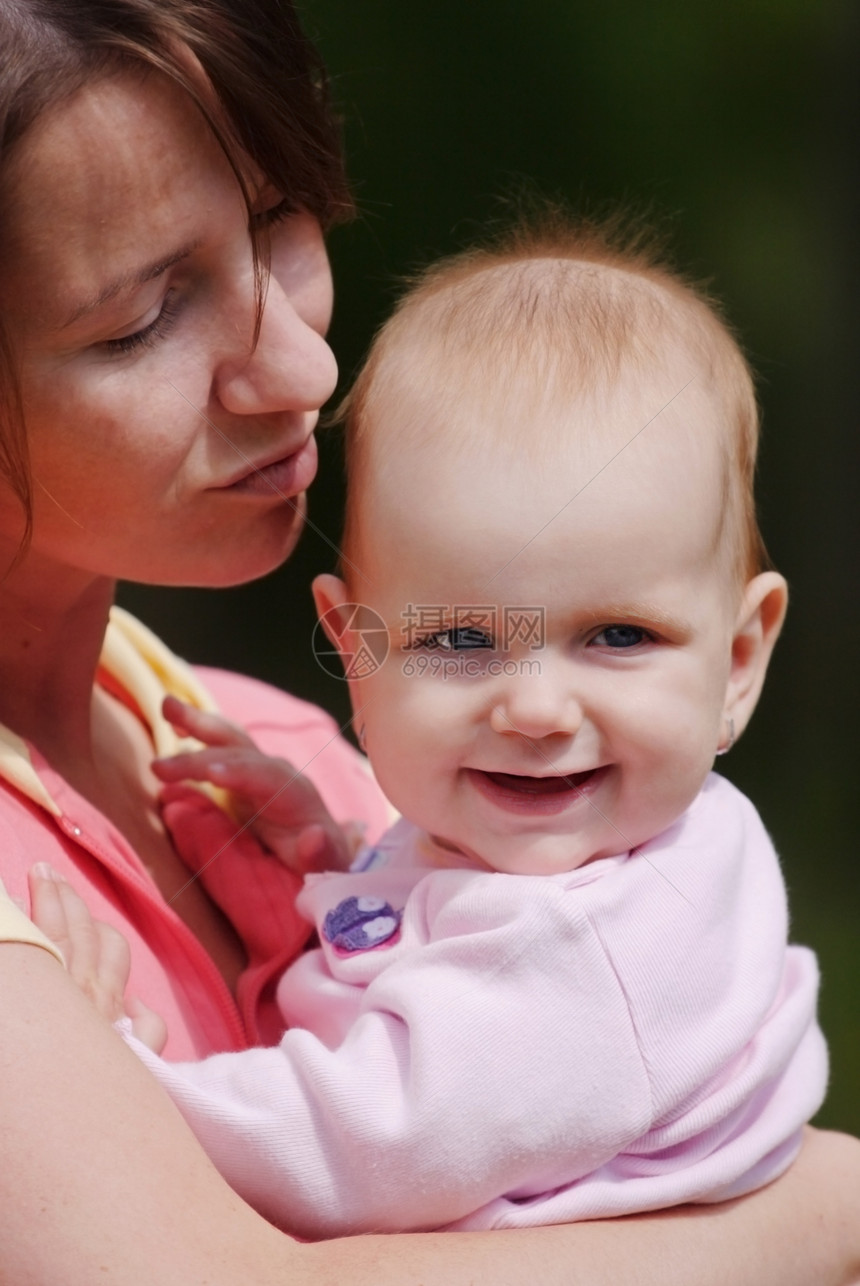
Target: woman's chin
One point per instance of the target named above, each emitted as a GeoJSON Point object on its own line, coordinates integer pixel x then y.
{"type": "Point", "coordinates": [249, 565]}
{"type": "Point", "coordinates": [220, 563]}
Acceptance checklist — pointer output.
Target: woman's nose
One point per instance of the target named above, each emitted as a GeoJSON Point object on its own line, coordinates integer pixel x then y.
{"type": "Point", "coordinates": [290, 368]}
{"type": "Point", "coordinates": [536, 706]}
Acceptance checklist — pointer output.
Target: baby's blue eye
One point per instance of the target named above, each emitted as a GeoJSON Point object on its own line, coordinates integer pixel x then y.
{"type": "Point", "coordinates": [621, 636]}
{"type": "Point", "coordinates": [462, 639]}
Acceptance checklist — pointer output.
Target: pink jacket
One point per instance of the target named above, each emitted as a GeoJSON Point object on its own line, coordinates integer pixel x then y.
{"type": "Point", "coordinates": [43, 819]}
{"type": "Point", "coordinates": [472, 1050]}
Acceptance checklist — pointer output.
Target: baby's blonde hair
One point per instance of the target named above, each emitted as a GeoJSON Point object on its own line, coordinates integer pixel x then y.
{"type": "Point", "coordinates": [565, 307]}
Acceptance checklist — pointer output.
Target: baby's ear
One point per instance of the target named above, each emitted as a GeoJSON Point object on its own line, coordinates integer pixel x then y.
{"type": "Point", "coordinates": [757, 627]}
{"type": "Point", "coordinates": [331, 599]}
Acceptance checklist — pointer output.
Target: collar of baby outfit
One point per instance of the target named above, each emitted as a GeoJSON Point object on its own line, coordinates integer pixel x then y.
{"type": "Point", "coordinates": [139, 670]}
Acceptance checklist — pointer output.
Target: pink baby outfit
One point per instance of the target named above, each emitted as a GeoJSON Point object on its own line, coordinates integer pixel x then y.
{"type": "Point", "coordinates": [472, 1049]}
{"type": "Point", "coordinates": [42, 819]}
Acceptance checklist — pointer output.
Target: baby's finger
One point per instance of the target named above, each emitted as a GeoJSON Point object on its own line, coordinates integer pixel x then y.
{"type": "Point", "coordinates": [206, 727]}
{"type": "Point", "coordinates": [262, 782]}
{"type": "Point", "coordinates": [258, 783]}
{"type": "Point", "coordinates": [313, 849]}
{"type": "Point", "coordinates": [323, 848]}
{"type": "Point", "coordinates": [213, 764]}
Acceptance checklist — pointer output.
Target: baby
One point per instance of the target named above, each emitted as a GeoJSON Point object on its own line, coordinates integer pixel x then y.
{"type": "Point", "coordinates": [558, 988]}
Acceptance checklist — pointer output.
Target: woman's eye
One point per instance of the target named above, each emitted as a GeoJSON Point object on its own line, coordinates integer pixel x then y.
{"type": "Point", "coordinates": [149, 334]}
{"type": "Point", "coordinates": [281, 209]}
{"type": "Point", "coordinates": [621, 636]}
{"type": "Point", "coordinates": [465, 638]}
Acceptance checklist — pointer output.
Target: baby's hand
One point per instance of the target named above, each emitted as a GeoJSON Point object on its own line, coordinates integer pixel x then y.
{"type": "Point", "coordinates": [279, 805]}
{"type": "Point", "coordinates": [96, 954]}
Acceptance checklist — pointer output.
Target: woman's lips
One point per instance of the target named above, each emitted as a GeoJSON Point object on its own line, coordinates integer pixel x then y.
{"type": "Point", "coordinates": [518, 793]}
{"type": "Point", "coordinates": [285, 478]}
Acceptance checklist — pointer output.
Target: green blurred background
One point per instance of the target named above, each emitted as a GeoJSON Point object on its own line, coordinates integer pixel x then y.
{"type": "Point", "coordinates": [738, 122]}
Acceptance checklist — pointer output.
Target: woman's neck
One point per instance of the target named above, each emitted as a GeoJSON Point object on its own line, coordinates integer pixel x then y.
{"type": "Point", "coordinates": [52, 625]}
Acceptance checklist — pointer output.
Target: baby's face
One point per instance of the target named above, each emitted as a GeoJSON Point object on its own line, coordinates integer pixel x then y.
{"type": "Point", "coordinates": [561, 626]}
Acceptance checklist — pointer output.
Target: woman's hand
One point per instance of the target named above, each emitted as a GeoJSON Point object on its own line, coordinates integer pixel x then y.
{"type": "Point", "coordinates": [96, 954]}
{"type": "Point", "coordinates": [270, 797]}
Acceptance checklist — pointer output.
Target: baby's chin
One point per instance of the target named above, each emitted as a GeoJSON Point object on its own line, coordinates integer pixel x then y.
{"type": "Point", "coordinates": [518, 855]}
{"type": "Point", "coordinates": [458, 855]}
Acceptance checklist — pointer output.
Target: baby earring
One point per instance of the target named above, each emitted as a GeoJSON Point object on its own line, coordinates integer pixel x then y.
{"type": "Point", "coordinates": [362, 740]}
{"type": "Point", "coordinates": [724, 750]}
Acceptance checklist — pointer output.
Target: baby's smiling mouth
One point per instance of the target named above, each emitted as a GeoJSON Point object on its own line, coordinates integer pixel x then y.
{"type": "Point", "coordinates": [523, 785]}
{"type": "Point", "coordinates": [518, 792]}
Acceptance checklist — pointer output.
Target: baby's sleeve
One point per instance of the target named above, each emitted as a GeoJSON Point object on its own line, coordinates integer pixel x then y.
{"type": "Point", "coordinates": [494, 1055]}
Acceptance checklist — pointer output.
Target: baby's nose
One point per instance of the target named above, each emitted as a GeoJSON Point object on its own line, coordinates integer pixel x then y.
{"type": "Point", "coordinates": [535, 706]}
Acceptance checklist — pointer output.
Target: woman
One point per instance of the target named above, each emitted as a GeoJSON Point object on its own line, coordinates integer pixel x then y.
{"type": "Point", "coordinates": [168, 368]}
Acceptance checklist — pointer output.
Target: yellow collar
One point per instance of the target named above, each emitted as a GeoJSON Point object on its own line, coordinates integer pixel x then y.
{"type": "Point", "coordinates": [148, 671]}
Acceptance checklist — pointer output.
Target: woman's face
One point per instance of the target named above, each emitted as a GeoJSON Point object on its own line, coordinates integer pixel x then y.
{"type": "Point", "coordinates": [164, 447]}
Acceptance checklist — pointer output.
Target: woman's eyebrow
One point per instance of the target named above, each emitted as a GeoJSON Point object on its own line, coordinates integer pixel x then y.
{"type": "Point", "coordinates": [128, 281]}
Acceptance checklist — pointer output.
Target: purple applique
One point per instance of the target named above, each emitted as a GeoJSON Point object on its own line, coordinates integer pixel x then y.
{"type": "Point", "coordinates": [357, 924]}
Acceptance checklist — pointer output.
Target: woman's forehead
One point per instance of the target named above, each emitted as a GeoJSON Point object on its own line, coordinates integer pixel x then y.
{"type": "Point", "coordinates": [115, 136]}
{"type": "Point", "coordinates": [107, 186]}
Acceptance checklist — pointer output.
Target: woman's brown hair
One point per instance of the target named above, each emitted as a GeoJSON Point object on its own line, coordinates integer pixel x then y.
{"type": "Point", "coordinates": [270, 102]}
